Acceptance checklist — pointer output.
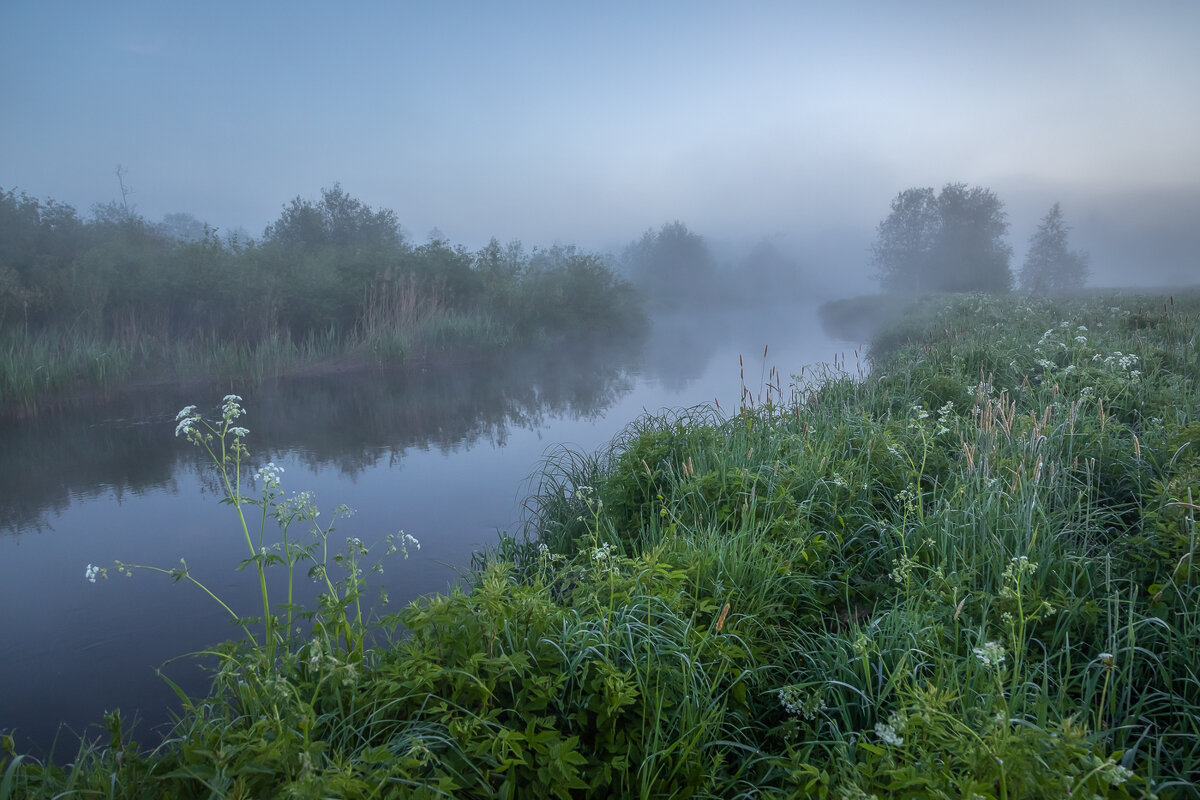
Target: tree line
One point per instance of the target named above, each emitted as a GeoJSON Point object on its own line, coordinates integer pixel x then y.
{"type": "Point", "coordinates": [954, 240]}
{"type": "Point", "coordinates": [330, 266]}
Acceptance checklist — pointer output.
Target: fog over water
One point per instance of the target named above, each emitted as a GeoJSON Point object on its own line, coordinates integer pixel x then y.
{"type": "Point", "coordinates": [446, 453]}
{"type": "Point", "coordinates": [758, 146]}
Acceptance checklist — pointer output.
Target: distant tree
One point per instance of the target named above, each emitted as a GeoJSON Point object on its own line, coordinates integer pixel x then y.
{"type": "Point", "coordinates": [337, 220]}
{"type": "Point", "coordinates": [766, 274]}
{"type": "Point", "coordinates": [904, 241]}
{"type": "Point", "coordinates": [183, 227]}
{"type": "Point", "coordinates": [1049, 265]}
{"type": "Point", "coordinates": [950, 241]}
{"type": "Point", "coordinates": [672, 265]}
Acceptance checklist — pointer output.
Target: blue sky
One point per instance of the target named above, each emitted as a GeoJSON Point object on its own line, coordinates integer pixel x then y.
{"type": "Point", "coordinates": [588, 123]}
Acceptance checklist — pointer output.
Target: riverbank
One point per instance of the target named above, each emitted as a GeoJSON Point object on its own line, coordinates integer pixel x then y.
{"type": "Point", "coordinates": [90, 305]}
{"type": "Point", "coordinates": [44, 371]}
{"type": "Point", "coordinates": [969, 573]}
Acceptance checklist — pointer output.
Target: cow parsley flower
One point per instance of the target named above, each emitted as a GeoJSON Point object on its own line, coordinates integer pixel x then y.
{"type": "Point", "coordinates": [186, 420]}
{"type": "Point", "coordinates": [231, 407]}
{"type": "Point", "coordinates": [991, 654]}
{"type": "Point", "coordinates": [270, 475]}
{"type": "Point", "coordinates": [400, 541]}
{"type": "Point", "coordinates": [891, 732]}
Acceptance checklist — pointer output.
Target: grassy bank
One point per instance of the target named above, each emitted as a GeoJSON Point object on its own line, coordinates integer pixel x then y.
{"type": "Point", "coordinates": [42, 369]}
{"type": "Point", "coordinates": [969, 575]}
{"type": "Point", "coordinates": [87, 305]}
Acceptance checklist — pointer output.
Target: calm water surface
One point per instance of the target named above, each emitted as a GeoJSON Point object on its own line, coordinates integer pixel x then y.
{"type": "Point", "coordinates": [443, 453]}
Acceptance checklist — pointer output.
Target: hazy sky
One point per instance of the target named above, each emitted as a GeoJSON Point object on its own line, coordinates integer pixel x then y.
{"type": "Point", "coordinates": [588, 123]}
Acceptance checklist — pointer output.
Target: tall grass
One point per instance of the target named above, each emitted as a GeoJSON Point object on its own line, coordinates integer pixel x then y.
{"type": "Point", "coordinates": [41, 369]}
{"type": "Point", "coordinates": [968, 574]}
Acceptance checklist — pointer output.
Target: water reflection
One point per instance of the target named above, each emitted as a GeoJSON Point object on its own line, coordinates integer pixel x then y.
{"type": "Point", "coordinates": [441, 451]}
{"type": "Point", "coordinates": [347, 420]}
{"type": "Point", "coordinates": [428, 448]}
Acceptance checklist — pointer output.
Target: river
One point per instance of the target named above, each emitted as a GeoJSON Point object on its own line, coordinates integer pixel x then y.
{"type": "Point", "coordinates": [444, 453]}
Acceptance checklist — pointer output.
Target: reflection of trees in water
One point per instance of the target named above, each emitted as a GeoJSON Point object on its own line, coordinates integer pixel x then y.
{"type": "Point", "coordinates": [347, 420]}
{"type": "Point", "coordinates": [354, 423]}
{"type": "Point", "coordinates": [46, 461]}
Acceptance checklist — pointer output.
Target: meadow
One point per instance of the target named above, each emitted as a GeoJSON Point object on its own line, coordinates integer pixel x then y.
{"type": "Point", "coordinates": [968, 574]}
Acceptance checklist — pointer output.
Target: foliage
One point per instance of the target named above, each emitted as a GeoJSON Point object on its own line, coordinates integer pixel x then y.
{"type": "Point", "coordinates": [966, 575]}
{"type": "Point", "coordinates": [1049, 266]}
{"type": "Point", "coordinates": [334, 271]}
{"type": "Point", "coordinates": [673, 265]}
{"type": "Point", "coordinates": [949, 241]}
{"type": "Point", "coordinates": [337, 220]}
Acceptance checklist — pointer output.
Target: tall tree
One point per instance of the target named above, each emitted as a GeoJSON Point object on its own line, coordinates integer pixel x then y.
{"type": "Point", "coordinates": [951, 241]}
{"type": "Point", "coordinates": [904, 241]}
{"type": "Point", "coordinates": [337, 220]}
{"type": "Point", "coordinates": [1049, 265]}
{"type": "Point", "coordinates": [672, 265]}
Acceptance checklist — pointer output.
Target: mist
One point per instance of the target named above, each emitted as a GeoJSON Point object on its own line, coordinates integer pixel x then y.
{"type": "Point", "coordinates": [587, 310]}
{"type": "Point", "coordinates": [773, 122]}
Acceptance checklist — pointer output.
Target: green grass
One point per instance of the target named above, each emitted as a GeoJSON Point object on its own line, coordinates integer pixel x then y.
{"type": "Point", "coordinates": [40, 370]}
{"type": "Point", "coordinates": [967, 575]}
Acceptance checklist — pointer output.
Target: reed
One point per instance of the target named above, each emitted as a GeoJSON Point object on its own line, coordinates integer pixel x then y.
{"type": "Point", "coordinates": [966, 574]}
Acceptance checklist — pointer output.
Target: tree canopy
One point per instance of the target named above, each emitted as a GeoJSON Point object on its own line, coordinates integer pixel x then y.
{"type": "Point", "coordinates": [332, 268]}
{"type": "Point", "coordinates": [673, 265]}
{"type": "Point", "coordinates": [949, 241]}
{"type": "Point", "coordinates": [337, 220]}
{"type": "Point", "coordinates": [1049, 265]}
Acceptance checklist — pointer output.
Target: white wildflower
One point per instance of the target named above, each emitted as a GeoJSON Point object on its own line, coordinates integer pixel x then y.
{"type": "Point", "coordinates": [405, 540]}
{"type": "Point", "coordinates": [991, 654]}
{"type": "Point", "coordinates": [270, 475]}
{"type": "Point", "coordinates": [891, 732]}
{"type": "Point", "coordinates": [801, 703]}
{"type": "Point", "coordinates": [187, 421]}
{"type": "Point", "coordinates": [231, 407]}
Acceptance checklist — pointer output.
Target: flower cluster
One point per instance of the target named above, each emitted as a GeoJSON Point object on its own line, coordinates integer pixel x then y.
{"type": "Point", "coordinates": [991, 655]}
{"type": "Point", "coordinates": [400, 542]}
{"type": "Point", "coordinates": [893, 732]}
{"type": "Point", "coordinates": [300, 505]}
{"type": "Point", "coordinates": [186, 419]}
{"type": "Point", "coordinates": [603, 553]}
{"type": "Point", "coordinates": [546, 556]}
{"type": "Point", "coordinates": [270, 476]}
{"type": "Point", "coordinates": [800, 702]}
{"type": "Point", "coordinates": [1121, 361]}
